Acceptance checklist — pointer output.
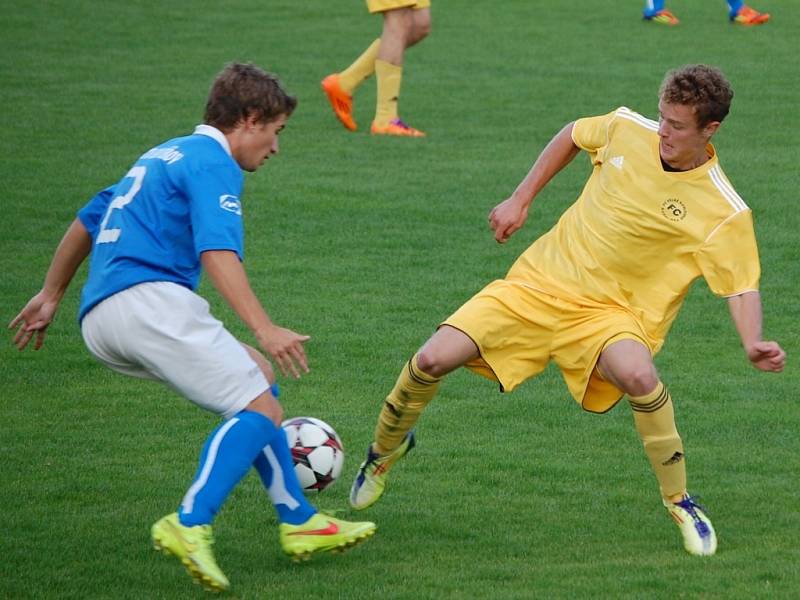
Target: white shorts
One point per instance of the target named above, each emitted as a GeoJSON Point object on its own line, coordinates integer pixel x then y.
{"type": "Point", "coordinates": [163, 331]}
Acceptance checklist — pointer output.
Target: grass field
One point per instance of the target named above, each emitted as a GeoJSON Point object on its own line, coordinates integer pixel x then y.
{"type": "Point", "coordinates": [366, 244]}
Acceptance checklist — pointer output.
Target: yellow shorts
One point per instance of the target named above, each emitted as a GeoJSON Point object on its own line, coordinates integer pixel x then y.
{"type": "Point", "coordinates": [376, 6]}
{"type": "Point", "coordinates": [518, 330]}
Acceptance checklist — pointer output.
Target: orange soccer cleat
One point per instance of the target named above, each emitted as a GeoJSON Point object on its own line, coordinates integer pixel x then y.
{"type": "Point", "coordinates": [341, 101]}
{"type": "Point", "coordinates": [749, 16]}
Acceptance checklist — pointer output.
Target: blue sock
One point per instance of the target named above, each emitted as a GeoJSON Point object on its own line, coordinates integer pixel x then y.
{"type": "Point", "coordinates": [226, 457]}
{"type": "Point", "coordinates": [733, 7]}
{"type": "Point", "coordinates": [276, 469]}
{"type": "Point", "coordinates": [651, 8]}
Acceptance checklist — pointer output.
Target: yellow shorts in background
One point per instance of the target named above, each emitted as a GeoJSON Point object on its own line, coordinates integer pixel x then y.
{"type": "Point", "coordinates": [519, 330]}
{"type": "Point", "coordinates": [376, 6]}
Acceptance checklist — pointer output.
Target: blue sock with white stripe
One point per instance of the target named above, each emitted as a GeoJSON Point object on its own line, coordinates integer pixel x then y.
{"type": "Point", "coordinates": [276, 469]}
{"type": "Point", "coordinates": [652, 7]}
{"type": "Point", "coordinates": [733, 7]}
{"type": "Point", "coordinates": [227, 455]}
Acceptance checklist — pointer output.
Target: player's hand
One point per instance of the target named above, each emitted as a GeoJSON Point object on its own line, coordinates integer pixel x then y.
{"type": "Point", "coordinates": [286, 348]}
{"type": "Point", "coordinates": [506, 218]}
{"type": "Point", "coordinates": [33, 320]}
{"type": "Point", "coordinates": [767, 356]}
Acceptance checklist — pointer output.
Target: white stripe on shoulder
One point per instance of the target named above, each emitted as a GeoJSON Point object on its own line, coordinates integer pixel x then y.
{"type": "Point", "coordinates": [733, 215]}
{"type": "Point", "coordinates": [627, 113]}
{"type": "Point", "coordinates": [726, 189]}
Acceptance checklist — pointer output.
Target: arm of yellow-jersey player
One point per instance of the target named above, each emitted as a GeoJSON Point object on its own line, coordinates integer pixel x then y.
{"type": "Point", "coordinates": [40, 310]}
{"type": "Point", "coordinates": [284, 345]}
{"type": "Point", "coordinates": [746, 313]}
{"type": "Point", "coordinates": [510, 215]}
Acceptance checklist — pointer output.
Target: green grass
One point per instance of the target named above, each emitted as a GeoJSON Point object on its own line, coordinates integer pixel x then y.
{"type": "Point", "coordinates": [366, 244]}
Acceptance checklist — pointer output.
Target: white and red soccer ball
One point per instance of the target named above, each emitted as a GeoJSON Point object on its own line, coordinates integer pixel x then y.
{"type": "Point", "coordinates": [317, 452]}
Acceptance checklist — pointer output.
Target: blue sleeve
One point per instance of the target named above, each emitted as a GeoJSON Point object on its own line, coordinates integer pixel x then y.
{"type": "Point", "coordinates": [214, 191]}
{"type": "Point", "coordinates": [92, 213]}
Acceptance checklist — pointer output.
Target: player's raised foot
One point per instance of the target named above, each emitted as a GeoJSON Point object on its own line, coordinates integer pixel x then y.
{"type": "Point", "coordinates": [396, 127]}
{"type": "Point", "coordinates": [341, 102]}
{"type": "Point", "coordinates": [322, 533]}
{"type": "Point", "coordinates": [371, 479]}
{"type": "Point", "coordinates": [191, 546]}
{"type": "Point", "coordinates": [749, 16]}
{"type": "Point", "coordinates": [699, 537]}
{"type": "Point", "coordinates": [663, 17]}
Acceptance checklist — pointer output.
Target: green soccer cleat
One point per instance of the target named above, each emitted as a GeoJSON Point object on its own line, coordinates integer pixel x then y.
{"type": "Point", "coordinates": [371, 479]}
{"type": "Point", "coordinates": [322, 533]}
{"type": "Point", "coordinates": [192, 546]}
{"type": "Point", "coordinates": [699, 537]}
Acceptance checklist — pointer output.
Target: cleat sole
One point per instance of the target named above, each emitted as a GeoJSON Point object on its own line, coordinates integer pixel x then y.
{"type": "Point", "coordinates": [305, 555]}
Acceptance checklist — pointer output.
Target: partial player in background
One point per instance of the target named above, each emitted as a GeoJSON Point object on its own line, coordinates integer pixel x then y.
{"type": "Point", "coordinates": [598, 292]}
{"type": "Point", "coordinates": [405, 23]}
{"type": "Point", "coordinates": [738, 12]}
{"type": "Point", "coordinates": [178, 211]}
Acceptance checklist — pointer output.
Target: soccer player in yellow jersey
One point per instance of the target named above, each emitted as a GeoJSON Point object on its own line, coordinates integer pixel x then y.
{"type": "Point", "coordinates": [405, 23]}
{"type": "Point", "coordinates": [598, 292]}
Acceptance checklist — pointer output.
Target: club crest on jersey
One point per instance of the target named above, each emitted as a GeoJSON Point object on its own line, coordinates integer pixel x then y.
{"type": "Point", "coordinates": [230, 203]}
{"type": "Point", "coordinates": [673, 209]}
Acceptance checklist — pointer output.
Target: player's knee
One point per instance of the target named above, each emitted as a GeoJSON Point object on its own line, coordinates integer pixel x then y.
{"type": "Point", "coordinates": [398, 22]}
{"type": "Point", "coordinates": [430, 362]}
{"type": "Point", "coordinates": [419, 27]}
{"type": "Point", "coordinates": [639, 379]}
{"type": "Point", "coordinates": [267, 405]}
{"type": "Point", "coordinates": [421, 30]}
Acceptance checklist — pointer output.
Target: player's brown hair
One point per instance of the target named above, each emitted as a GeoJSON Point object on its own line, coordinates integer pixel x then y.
{"type": "Point", "coordinates": [242, 90]}
{"type": "Point", "coordinates": [703, 87]}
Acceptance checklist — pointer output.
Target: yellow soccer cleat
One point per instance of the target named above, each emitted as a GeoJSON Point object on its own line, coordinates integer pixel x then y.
{"type": "Point", "coordinates": [396, 127]}
{"type": "Point", "coordinates": [371, 479]}
{"type": "Point", "coordinates": [322, 533]}
{"type": "Point", "coordinates": [699, 537]}
{"type": "Point", "coordinates": [192, 546]}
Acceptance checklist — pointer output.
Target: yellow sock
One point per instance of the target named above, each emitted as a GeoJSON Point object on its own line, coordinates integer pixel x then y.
{"type": "Point", "coordinates": [389, 78]}
{"type": "Point", "coordinates": [361, 69]}
{"type": "Point", "coordinates": [402, 407]}
{"type": "Point", "coordinates": [654, 417]}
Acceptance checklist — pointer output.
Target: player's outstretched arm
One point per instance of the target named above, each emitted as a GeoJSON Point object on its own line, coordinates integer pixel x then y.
{"type": "Point", "coordinates": [283, 345]}
{"type": "Point", "coordinates": [747, 316]}
{"type": "Point", "coordinates": [510, 215]}
{"type": "Point", "coordinates": [41, 309]}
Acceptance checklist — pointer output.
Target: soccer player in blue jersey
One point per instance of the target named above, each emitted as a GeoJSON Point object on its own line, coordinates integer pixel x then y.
{"type": "Point", "coordinates": [176, 212]}
{"type": "Point", "coordinates": [738, 12]}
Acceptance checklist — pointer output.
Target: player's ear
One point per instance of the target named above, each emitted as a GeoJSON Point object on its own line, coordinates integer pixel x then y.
{"type": "Point", "coordinates": [251, 120]}
{"type": "Point", "coordinates": [711, 128]}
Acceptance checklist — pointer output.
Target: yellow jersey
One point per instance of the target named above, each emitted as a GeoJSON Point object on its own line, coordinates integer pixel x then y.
{"type": "Point", "coordinates": [638, 236]}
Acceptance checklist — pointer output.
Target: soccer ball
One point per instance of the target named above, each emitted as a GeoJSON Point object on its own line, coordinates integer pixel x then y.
{"type": "Point", "coordinates": [317, 452]}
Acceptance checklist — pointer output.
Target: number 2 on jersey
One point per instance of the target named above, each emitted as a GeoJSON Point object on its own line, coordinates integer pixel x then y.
{"type": "Point", "coordinates": [111, 235]}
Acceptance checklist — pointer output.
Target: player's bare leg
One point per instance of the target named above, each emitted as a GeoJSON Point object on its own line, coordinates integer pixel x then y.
{"type": "Point", "coordinates": [402, 28]}
{"type": "Point", "coordinates": [417, 384]}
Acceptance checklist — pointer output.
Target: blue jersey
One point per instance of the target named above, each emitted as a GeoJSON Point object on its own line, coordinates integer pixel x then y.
{"type": "Point", "coordinates": [178, 200]}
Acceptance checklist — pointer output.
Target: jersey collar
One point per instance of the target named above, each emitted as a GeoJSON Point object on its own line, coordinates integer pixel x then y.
{"type": "Point", "coordinates": [214, 133]}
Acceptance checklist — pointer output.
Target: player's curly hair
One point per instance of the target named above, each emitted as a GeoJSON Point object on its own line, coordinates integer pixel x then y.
{"type": "Point", "coordinates": [701, 86]}
{"type": "Point", "coordinates": [242, 90]}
